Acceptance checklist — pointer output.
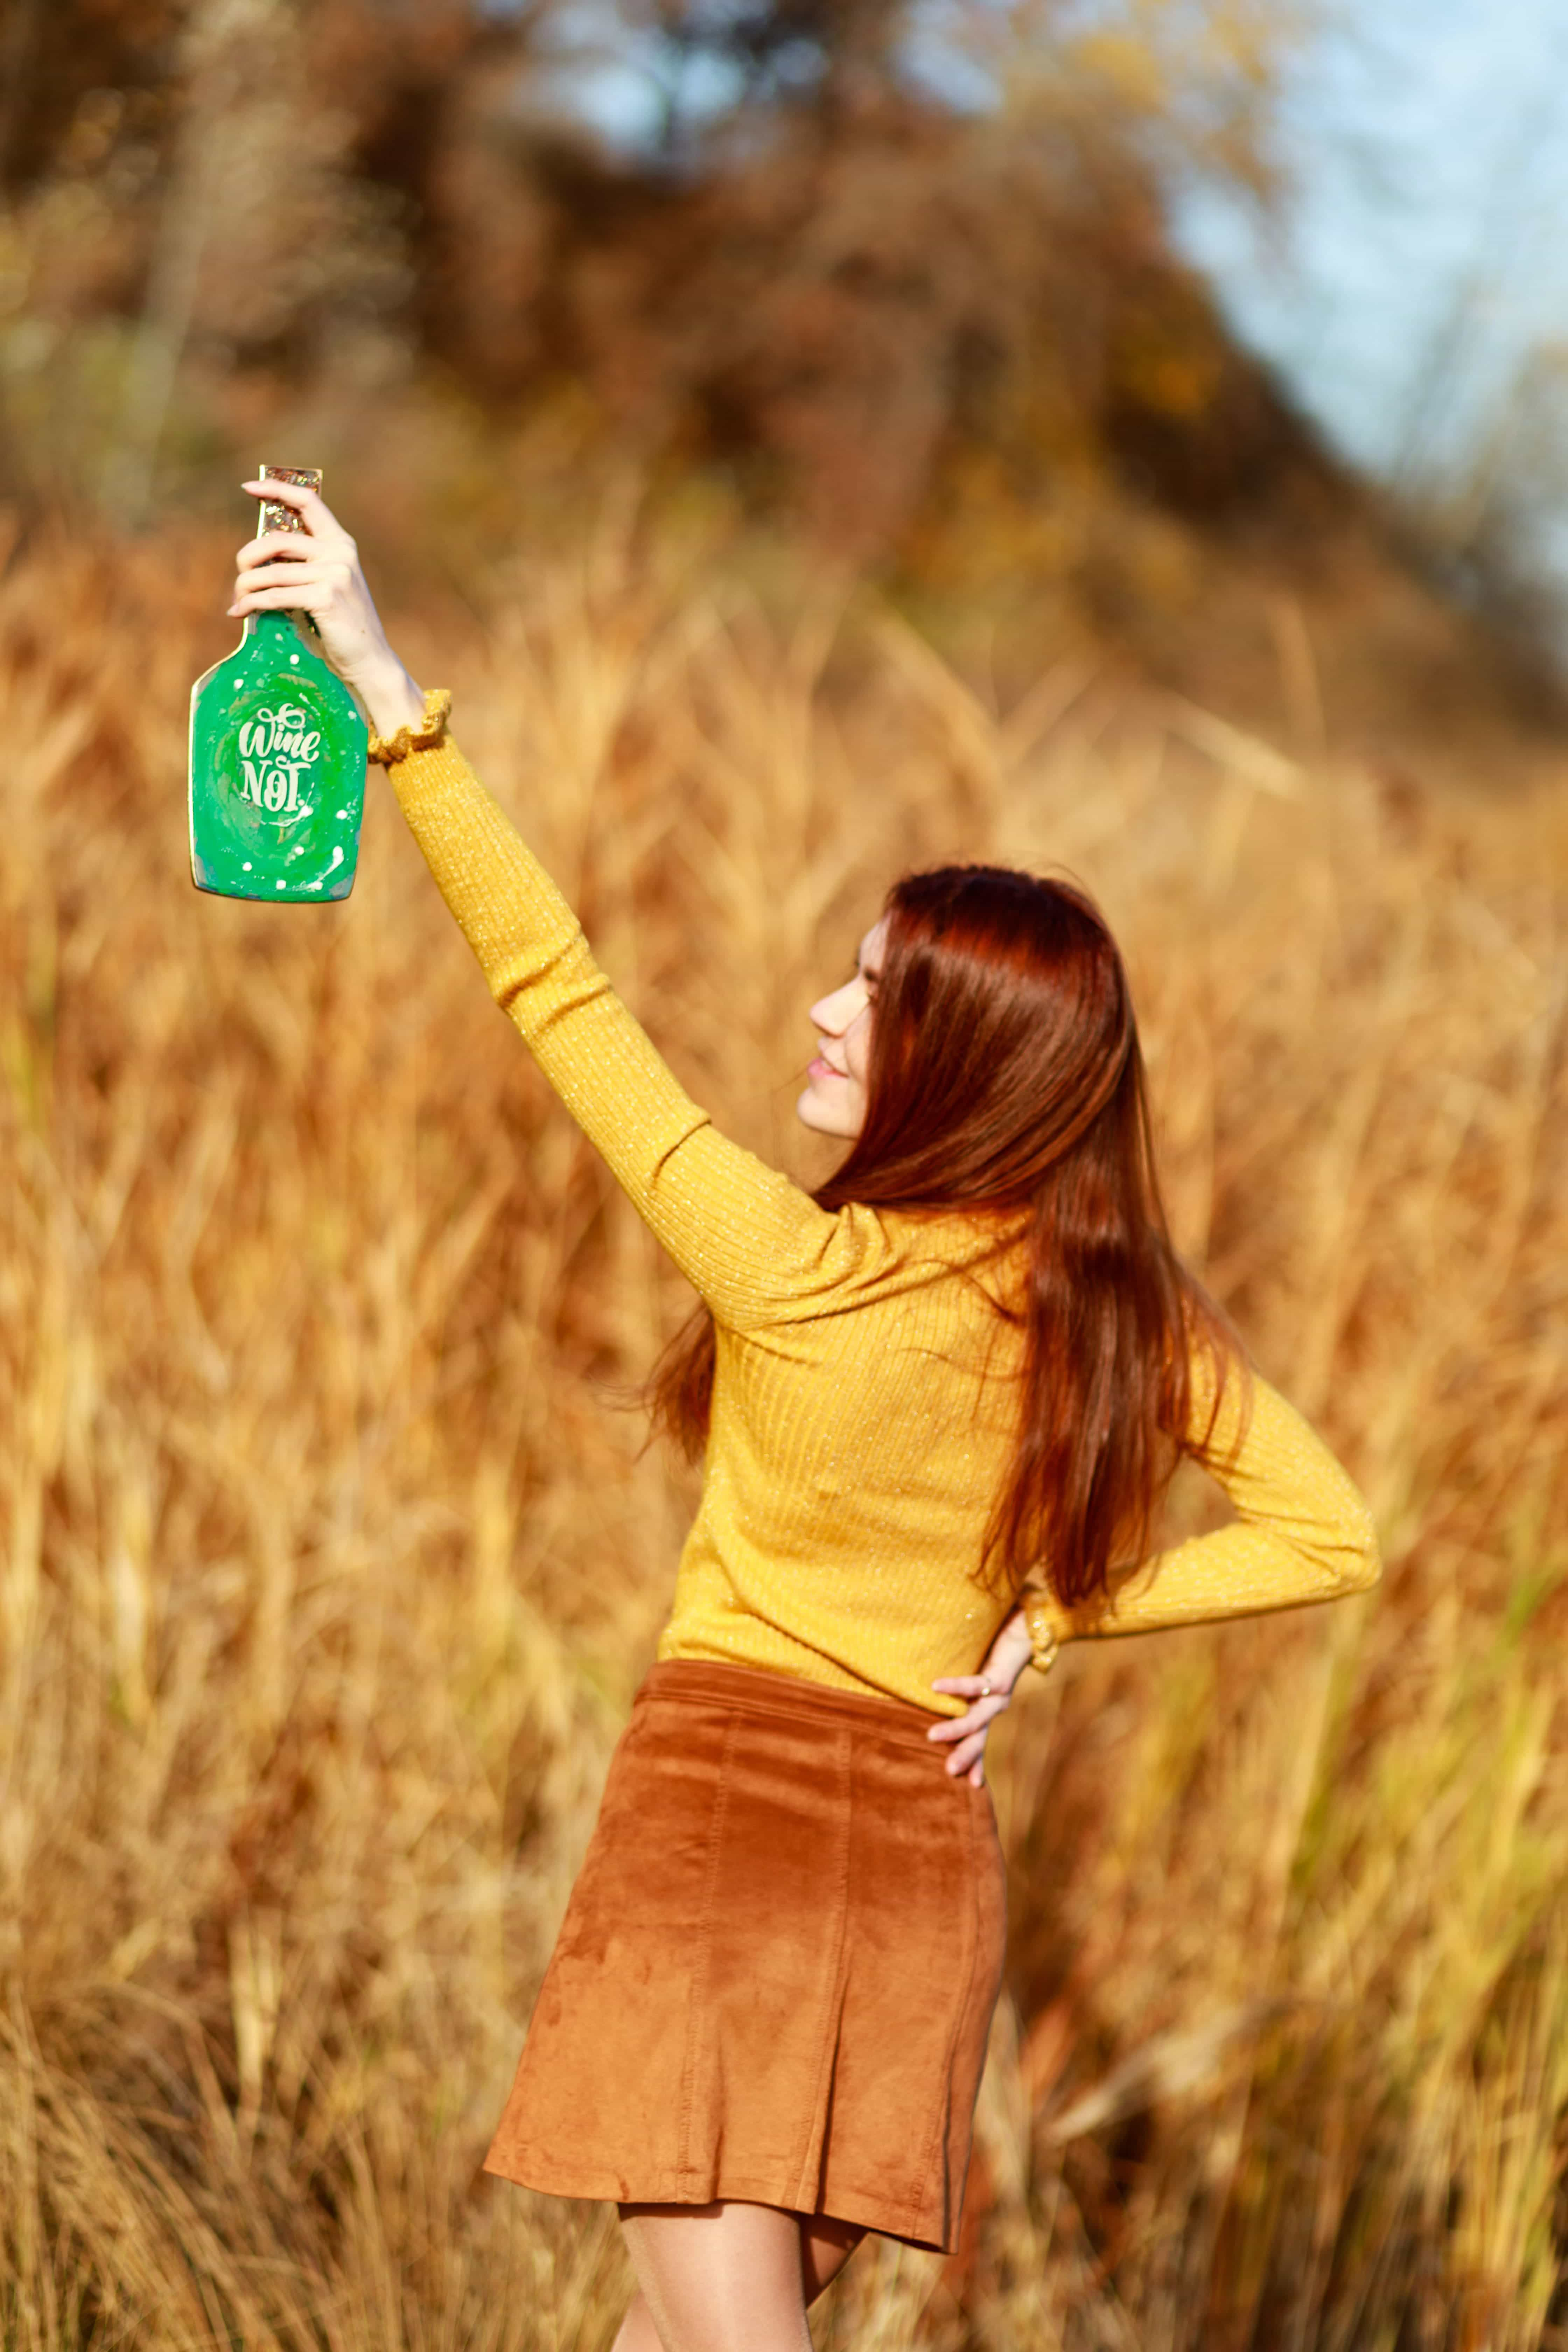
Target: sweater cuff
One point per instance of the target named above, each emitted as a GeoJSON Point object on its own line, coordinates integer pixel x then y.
{"type": "Point", "coordinates": [389, 750]}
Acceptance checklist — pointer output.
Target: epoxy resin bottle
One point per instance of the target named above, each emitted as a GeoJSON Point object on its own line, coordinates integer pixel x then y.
{"type": "Point", "coordinates": [278, 755]}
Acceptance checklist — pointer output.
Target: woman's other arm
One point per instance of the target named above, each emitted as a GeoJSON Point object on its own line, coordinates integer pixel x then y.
{"type": "Point", "coordinates": [1302, 1531]}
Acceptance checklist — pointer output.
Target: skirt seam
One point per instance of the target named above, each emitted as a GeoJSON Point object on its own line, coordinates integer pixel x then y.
{"type": "Point", "coordinates": [960, 2009]}
{"type": "Point", "coordinates": [705, 1947]}
{"type": "Point", "coordinates": [834, 2002]}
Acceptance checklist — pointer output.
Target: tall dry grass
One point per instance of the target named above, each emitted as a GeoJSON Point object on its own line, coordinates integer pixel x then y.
{"type": "Point", "coordinates": [330, 1561]}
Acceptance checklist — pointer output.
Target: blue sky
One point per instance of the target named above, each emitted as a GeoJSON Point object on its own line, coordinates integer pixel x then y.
{"type": "Point", "coordinates": [1422, 248]}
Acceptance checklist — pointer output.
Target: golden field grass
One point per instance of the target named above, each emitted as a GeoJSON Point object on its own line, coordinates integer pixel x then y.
{"type": "Point", "coordinates": [332, 1556]}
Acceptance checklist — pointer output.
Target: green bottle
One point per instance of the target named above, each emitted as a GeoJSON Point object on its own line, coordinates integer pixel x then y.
{"type": "Point", "coordinates": [277, 758]}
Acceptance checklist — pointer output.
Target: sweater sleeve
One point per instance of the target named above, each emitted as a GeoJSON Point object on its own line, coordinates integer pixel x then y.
{"type": "Point", "coordinates": [741, 1231]}
{"type": "Point", "coordinates": [1302, 1531]}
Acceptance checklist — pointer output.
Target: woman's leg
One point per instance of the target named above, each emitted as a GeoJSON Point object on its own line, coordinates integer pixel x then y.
{"type": "Point", "coordinates": [728, 2278]}
{"type": "Point", "coordinates": [826, 2246]}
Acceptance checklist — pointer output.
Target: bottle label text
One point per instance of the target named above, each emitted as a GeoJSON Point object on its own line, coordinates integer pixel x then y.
{"type": "Point", "coordinates": [279, 748]}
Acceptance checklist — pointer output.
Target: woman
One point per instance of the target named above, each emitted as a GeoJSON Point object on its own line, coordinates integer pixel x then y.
{"type": "Point", "coordinates": [939, 1400]}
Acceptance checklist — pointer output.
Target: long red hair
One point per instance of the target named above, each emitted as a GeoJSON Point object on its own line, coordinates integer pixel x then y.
{"type": "Point", "coordinates": [1004, 1074]}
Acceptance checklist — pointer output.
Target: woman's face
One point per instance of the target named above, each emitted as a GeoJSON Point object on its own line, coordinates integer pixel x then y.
{"type": "Point", "coordinates": [834, 1102]}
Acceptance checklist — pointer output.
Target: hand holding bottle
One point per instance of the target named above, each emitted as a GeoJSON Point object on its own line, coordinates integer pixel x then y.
{"type": "Point", "coordinates": [316, 569]}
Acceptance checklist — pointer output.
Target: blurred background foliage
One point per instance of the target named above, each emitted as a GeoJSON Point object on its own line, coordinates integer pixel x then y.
{"type": "Point", "coordinates": [896, 280]}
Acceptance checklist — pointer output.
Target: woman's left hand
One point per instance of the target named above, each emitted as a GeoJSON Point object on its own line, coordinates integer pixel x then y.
{"type": "Point", "coordinates": [990, 1693]}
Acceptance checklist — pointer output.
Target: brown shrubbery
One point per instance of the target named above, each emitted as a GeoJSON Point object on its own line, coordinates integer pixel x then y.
{"type": "Point", "coordinates": [833, 300]}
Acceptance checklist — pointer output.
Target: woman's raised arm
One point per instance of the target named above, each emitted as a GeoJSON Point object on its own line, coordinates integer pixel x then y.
{"type": "Point", "coordinates": [743, 1234]}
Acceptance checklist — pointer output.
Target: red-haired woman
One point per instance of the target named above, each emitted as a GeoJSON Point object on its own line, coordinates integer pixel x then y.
{"type": "Point", "coordinates": [938, 1400]}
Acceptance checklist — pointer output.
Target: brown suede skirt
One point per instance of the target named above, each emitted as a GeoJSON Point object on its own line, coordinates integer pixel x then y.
{"type": "Point", "coordinates": [775, 1976]}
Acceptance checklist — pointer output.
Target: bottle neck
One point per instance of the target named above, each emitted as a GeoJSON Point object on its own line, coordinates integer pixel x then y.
{"type": "Point", "coordinates": [272, 627]}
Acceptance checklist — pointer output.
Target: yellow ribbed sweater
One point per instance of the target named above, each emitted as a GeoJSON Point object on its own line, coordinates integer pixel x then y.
{"type": "Point", "coordinates": [861, 1429]}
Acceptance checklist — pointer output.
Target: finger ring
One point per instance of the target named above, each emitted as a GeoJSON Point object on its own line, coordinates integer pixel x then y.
{"type": "Point", "coordinates": [985, 1688]}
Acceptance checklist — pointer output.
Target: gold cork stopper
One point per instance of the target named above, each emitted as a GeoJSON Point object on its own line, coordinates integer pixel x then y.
{"type": "Point", "coordinates": [275, 515]}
